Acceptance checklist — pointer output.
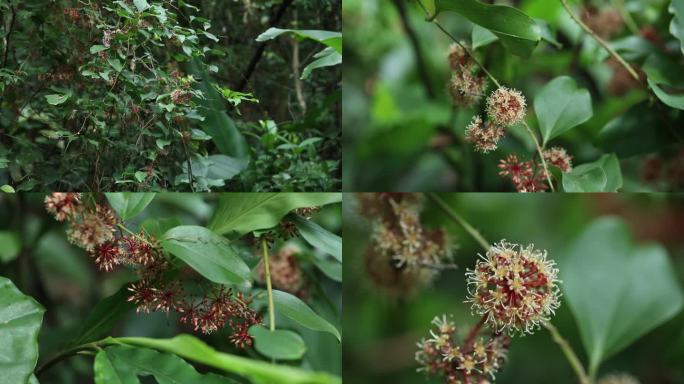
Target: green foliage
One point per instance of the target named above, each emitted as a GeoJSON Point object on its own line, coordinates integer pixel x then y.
{"type": "Point", "coordinates": [20, 321]}
{"type": "Point", "coordinates": [279, 344]}
{"type": "Point", "coordinates": [127, 205]}
{"type": "Point", "coordinates": [295, 309]}
{"type": "Point", "coordinates": [618, 291]}
{"type": "Point", "coordinates": [602, 175]}
{"type": "Point", "coordinates": [320, 238]}
{"type": "Point", "coordinates": [560, 106]}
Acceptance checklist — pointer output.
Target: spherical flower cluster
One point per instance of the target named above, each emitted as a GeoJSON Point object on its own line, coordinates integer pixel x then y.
{"type": "Point", "coordinates": [459, 60]}
{"type": "Point", "coordinates": [63, 205]}
{"type": "Point", "coordinates": [485, 138]}
{"type": "Point", "coordinates": [403, 256]}
{"type": "Point", "coordinates": [181, 96]}
{"type": "Point", "coordinates": [473, 360]}
{"type": "Point", "coordinates": [619, 378]}
{"type": "Point", "coordinates": [559, 158]}
{"type": "Point", "coordinates": [286, 275]}
{"type": "Point", "coordinates": [506, 106]}
{"type": "Point", "coordinates": [465, 89]}
{"type": "Point", "coordinates": [525, 175]}
{"type": "Point", "coordinates": [514, 287]}
{"type": "Point", "coordinates": [91, 229]}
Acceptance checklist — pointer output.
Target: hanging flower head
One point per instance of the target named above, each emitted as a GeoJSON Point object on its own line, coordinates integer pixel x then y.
{"type": "Point", "coordinates": [559, 158]}
{"type": "Point", "coordinates": [466, 89]}
{"type": "Point", "coordinates": [506, 106]}
{"type": "Point", "coordinates": [63, 205]}
{"type": "Point", "coordinates": [475, 359]}
{"type": "Point", "coordinates": [515, 287]}
{"type": "Point", "coordinates": [485, 137]}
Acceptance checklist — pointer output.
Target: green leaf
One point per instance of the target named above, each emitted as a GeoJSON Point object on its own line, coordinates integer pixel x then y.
{"type": "Point", "coordinates": [240, 213]}
{"type": "Point", "coordinates": [329, 38]}
{"type": "Point", "coordinates": [560, 106]}
{"type": "Point", "coordinates": [217, 123]}
{"type": "Point", "coordinates": [319, 237]}
{"type": "Point", "coordinates": [20, 320]}
{"type": "Point", "coordinates": [10, 245]}
{"type": "Point", "coordinates": [677, 24]}
{"type": "Point", "coordinates": [295, 309]}
{"type": "Point", "coordinates": [326, 58]}
{"type": "Point", "coordinates": [665, 78]}
{"type": "Point", "coordinates": [142, 5]}
{"type": "Point", "coordinates": [258, 372]}
{"type": "Point", "coordinates": [97, 49]}
{"type": "Point", "coordinates": [518, 32]}
{"type": "Point", "coordinates": [7, 189]}
{"type": "Point", "coordinates": [279, 344]}
{"type": "Point", "coordinates": [330, 267]}
{"type": "Point", "coordinates": [208, 253]}
{"type": "Point", "coordinates": [104, 317]}
{"type": "Point", "coordinates": [640, 130]}
{"type": "Point", "coordinates": [603, 175]}
{"type": "Point", "coordinates": [129, 204]}
{"type": "Point", "coordinates": [481, 37]}
{"type": "Point", "coordinates": [616, 290]}
{"type": "Point", "coordinates": [56, 99]}
{"type": "Point", "coordinates": [123, 364]}
{"type": "Point", "coordinates": [225, 167]}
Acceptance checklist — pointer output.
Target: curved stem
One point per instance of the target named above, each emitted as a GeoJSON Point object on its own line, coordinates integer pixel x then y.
{"type": "Point", "coordinates": [269, 288]}
{"type": "Point", "coordinates": [541, 156]}
{"type": "Point", "coordinates": [600, 41]}
{"type": "Point", "coordinates": [569, 354]}
{"type": "Point", "coordinates": [432, 19]}
{"type": "Point", "coordinates": [64, 355]}
{"type": "Point", "coordinates": [458, 219]}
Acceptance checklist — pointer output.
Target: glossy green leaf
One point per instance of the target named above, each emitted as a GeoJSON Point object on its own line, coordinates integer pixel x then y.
{"type": "Point", "coordinates": [481, 37]}
{"type": "Point", "coordinates": [330, 267]}
{"type": "Point", "coordinates": [142, 5]}
{"type": "Point", "coordinates": [616, 290]}
{"type": "Point", "coordinates": [325, 58]}
{"type": "Point", "coordinates": [129, 204]}
{"type": "Point", "coordinates": [104, 317]}
{"type": "Point", "coordinates": [278, 344]}
{"type": "Point", "coordinates": [56, 99]}
{"type": "Point", "coordinates": [329, 38]}
{"type": "Point", "coordinates": [207, 253]}
{"type": "Point", "coordinates": [666, 79]}
{"type": "Point", "coordinates": [259, 372]}
{"type": "Point", "coordinates": [240, 213]}
{"type": "Point", "coordinates": [603, 175]}
{"type": "Point", "coordinates": [518, 32]}
{"type": "Point", "coordinates": [561, 106]}
{"type": "Point", "coordinates": [20, 321]}
{"type": "Point", "coordinates": [677, 24]}
{"type": "Point", "coordinates": [292, 307]}
{"type": "Point", "coordinates": [641, 129]}
{"type": "Point", "coordinates": [124, 364]}
{"type": "Point", "coordinates": [10, 245]}
{"type": "Point", "coordinates": [7, 189]}
{"type": "Point", "coordinates": [319, 237]}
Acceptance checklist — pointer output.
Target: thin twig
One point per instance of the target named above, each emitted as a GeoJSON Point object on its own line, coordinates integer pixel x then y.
{"type": "Point", "coordinates": [600, 41]}
{"type": "Point", "coordinates": [269, 287]}
{"type": "Point", "coordinates": [431, 19]}
{"type": "Point", "coordinates": [569, 354]}
{"type": "Point", "coordinates": [421, 64]}
{"type": "Point", "coordinates": [541, 156]}
{"type": "Point", "coordinates": [458, 219]}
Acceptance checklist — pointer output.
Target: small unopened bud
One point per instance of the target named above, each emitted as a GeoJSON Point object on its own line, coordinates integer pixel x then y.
{"type": "Point", "coordinates": [506, 106]}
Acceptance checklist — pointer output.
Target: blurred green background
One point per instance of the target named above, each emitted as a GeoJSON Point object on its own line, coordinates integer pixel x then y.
{"type": "Point", "coordinates": [36, 256]}
{"type": "Point", "coordinates": [380, 333]}
{"type": "Point", "coordinates": [402, 134]}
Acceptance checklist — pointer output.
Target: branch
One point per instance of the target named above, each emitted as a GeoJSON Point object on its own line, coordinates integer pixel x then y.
{"type": "Point", "coordinates": [569, 354]}
{"type": "Point", "coordinates": [259, 53]}
{"type": "Point", "coordinates": [541, 155]}
{"type": "Point", "coordinates": [458, 219]}
{"type": "Point", "coordinates": [600, 41]}
{"type": "Point", "coordinates": [8, 36]}
{"type": "Point", "coordinates": [421, 65]}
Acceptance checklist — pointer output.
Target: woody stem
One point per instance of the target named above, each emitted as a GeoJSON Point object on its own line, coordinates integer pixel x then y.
{"type": "Point", "coordinates": [269, 287]}
{"type": "Point", "coordinates": [541, 156]}
{"type": "Point", "coordinates": [569, 354]}
{"type": "Point", "coordinates": [459, 220]}
{"type": "Point", "coordinates": [431, 18]}
{"type": "Point", "coordinates": [600, 41]}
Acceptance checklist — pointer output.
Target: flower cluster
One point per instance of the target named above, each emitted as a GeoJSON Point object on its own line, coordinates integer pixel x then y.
{"type": "Point", "coordinates": [465, 88]}
{"type": "Point", "coordinates": [96, 228]}
{"type": "Point", "coordinates": [286, 274]}
{"type": "Point", "coordinates": [527, 176]}
{"type": "Point", "coordinates": [485, 137]}
{"type": "Point", "coordinates": [506, 106]}
{"type": "Point", "coordinates": [514, 287]}
{"type": "Point", "coordinates": [473, 360]}
{"type": "Point", "coordinates": [559, 158]}
{"type": "Point", "coordinates": [403, 255]}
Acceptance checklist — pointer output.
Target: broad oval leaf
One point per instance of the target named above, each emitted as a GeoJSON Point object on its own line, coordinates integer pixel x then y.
{"type": "Point", "coordinates": [208, 253]}
{"type": "Point", "coordinates": [561, 106]}
{"type": "Point", "coordinates": [665, 78]}
{"type": "Point", "coordinates": [10, 245]}
{"type": "Point", "coordinates": [259, 372]}
{"type": "Point", "coordinates": [129, 204]}
{"type": "Point", "coordinates": [616, 290]}
{"type": "Point", "coordinates": [329, 38]}
{"type": "Point", "coordinates": [292, 307]}
{"type": "Point", "coordinates": [240, 213]}
{"type": "Point", "coordinates": [518, 32]}
{"type": "Point", "coordinates": [20, 320]}
{"type": "Point", "coordinates": [677, 24]}
{"type": "Point", "coordinates": [603, 175]}
{"type": "Point", "coordinates": [279, 344]}
{"type": "Point", "coordinates": [104, 316]}
{"type": "Point", "coordinates": [319, 237]}
{"type": "Point", "coordinates": [56, 99]}
{"type": "Point", "coordinates": [124, 364]}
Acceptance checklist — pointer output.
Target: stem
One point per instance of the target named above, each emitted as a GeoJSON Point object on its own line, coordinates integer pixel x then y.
{"type": "Point", "coordinates": [541, 156]}
{"type": "Point", "coordinates": [432, 19]}
{"type": "Point", "coordinates": [473, 332]}
{"type": "Point", "coordinates": [135, 235]}
{"type": "Point", "coordinates": [269, 288]}
{"type": "Point", "coordinates": [600, 41]}
{"type": "Point", "coordinates": [458, 219]}
{"type": "Point", "coordinates": [61, 356]}
{"type": "Point", "coordinates": [569, 354]}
